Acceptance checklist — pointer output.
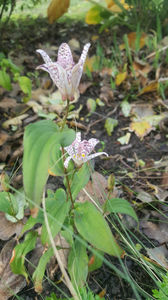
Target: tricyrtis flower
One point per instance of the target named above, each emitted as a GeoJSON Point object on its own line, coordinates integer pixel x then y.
{"type": "Point", "coordinates": [64, 73]}
{"type": "Point", "coordinates": [80, 151]}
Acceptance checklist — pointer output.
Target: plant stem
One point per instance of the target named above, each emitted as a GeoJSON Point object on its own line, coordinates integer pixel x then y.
{"type": "Point", "coordinates": [66, 115]}
{"type": "Point", "coordinates": [56, 253]}
{"type": "Point", "coordinates": [67, 180]}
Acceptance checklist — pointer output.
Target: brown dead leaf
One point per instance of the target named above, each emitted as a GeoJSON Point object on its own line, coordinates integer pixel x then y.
{"type": "Point", "coordinates": [7, 229]}
{"type": "Point", "coordinates": [7, 103]}
{"type": "Point", "coordinates": [6, 150]}
{"type": "Point", "coordinates": [164, 182]}
{"type": "Point", "coordinates": [106, 94]}
{"type": "Point", "coordinates": [159, 255]}
{"type": "Point", "coordinates": [97, 188]}
{"type": "Point", "coordinates": [84, 86]}
{"type": "Point", "coordinates": [56, 9]}
{"type": "Point", "coordinates": [132, 41]}
{"type": "Point", "coordinates": [10, 283]}
{"type": "Point", "coordinates": [154, 231]}
{"type": "Point", "coordinates": [16, 154]}
{"type": "Point", "coordinates": [151, 87]}
{"type": "Point", "coordinates": [3, 137]}
{"type": "Point", "coordinates": [14, 121]}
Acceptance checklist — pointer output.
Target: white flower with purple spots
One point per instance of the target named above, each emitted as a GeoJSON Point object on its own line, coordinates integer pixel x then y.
{"type": "Point", "coordinates": [79, 151]}
{"type": "Point", "coordinates": [64, 72]}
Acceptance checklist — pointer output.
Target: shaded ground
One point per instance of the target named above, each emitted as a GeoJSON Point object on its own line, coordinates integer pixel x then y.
{"type": "Point", "coordinates": [20, 41]}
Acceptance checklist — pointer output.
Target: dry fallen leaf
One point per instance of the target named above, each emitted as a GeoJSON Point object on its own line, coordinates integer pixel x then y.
{"type": "Point", "coordinates": [10, 283]}
{"type": "Point", "coordinates": [3, 137]}
{"type": "Point", "coordinates": [120, 78]}
{"type": "Point", "coordinates": [7, 103]}
{"type": "Point", "coordinates": [156, 232]}
{"type": "Point", "coordinates": [56, 9]}
{"type": "Point", "coordinates": [7, 229]}
{"type": "Point", "coordinates": [132, 36]}
{"type": "Point", "coordinates": [90, 63]}
{"type": "Point", "coordinates": [151, 87]}
{"type": "Point", "coordinates": [14, 121]}
{"type": "Point", "coordinates": [141, 128]}
{"type": "Point", "coordinates": [159, 255]}
{"type": "Point", "coordinates": [111, 4]}
{"type": "Point", "coordinates": [97, 188]}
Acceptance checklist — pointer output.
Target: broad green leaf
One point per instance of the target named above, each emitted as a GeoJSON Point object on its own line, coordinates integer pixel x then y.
{"type": "Point", "coordinates": [56, 166]}
{"type": "Point", "coordinates": [92, 226]}
{"type": "Point", "coordinates": [17, 265]}
{"type": "Point", "coordinates": [32, 221]}
{"type": "Point", "coordinates": [5, 80]}
{"type": "Point", "coordinates": [110, 124]}
{"type": "Point", "coordinates": [26, 86]}
{"type": "Point", "coordinates": [122, 206]}
{"type": "Point", "coordinates": [6, 203]}
{"type": "Point", "coordinates": [40, 270]}
{"type": "Point", "coordinates": [95, 261]}
{"type": "Point", "coordinates": [78, 264]}
{"type": "Point", "coordinates": [39, 140]}
{"type": "Point", "coordinates": [80, 179]}
{"type": "Point", "coordinates": [57, 209]}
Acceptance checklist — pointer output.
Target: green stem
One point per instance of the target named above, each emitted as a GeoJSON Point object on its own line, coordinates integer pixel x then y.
{"type": "Point", "coordinates": [66, 115]}
{"type": "Point", "coordinates": [67, 180]}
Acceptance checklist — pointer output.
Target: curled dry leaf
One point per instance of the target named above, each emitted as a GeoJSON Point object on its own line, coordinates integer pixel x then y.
{"type": "Point", "coordinates": [97, 188]}
{"type": "Point", "coordinates": [7, 229]}
{"type": "Point", "coordinates": [14, 121]}
{"type": "Point", "coordinates": [10, 283]}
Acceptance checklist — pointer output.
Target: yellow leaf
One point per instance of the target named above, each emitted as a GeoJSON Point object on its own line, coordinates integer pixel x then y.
{"type": "Point", "coordinates": [152, 87]}
{"type": "Point", "coordinates": [56, 9]}
{"type": "Point", "coordinates": [89, 63]}
{"type": "Point", "coordinates": [93, 16]}
{"type": "Point", "coordinates": [120, 78]}
{"type": "Point", "coordinates": [141, 128]}
{"type": "Point", "coordinates": [114, 7]}
{"type": "Point", "coordinates": [132, 36]}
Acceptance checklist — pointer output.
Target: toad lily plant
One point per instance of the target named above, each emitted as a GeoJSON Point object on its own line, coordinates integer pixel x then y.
{"type": "Point", "coordinates": [81, 224]}
{"type": "Point", "coordinates": [64, 72]}
{"type": "Point", "coordinates": [79, 151]}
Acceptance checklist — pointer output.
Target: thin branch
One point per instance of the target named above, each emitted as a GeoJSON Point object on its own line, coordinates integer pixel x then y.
{"type": "Point", "coordinates": [56, 253]}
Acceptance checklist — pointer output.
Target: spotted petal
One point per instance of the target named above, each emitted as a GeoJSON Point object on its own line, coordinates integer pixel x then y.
{"type": "Point", "coordinates": [65, 58]}
{"type": "Point", "coordinates": [78, 68]}
{"type": "Point", "coordinates": [89, 157]}
{"type": "Point", "coordinates": [45, 56]}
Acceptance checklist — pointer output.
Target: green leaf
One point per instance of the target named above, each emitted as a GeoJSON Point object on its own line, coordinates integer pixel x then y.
{"type": "Point", "coordinates": [56, 165]}
{"type": "Point", "coordinates": [17, 265]}
{"type": "Point", "coordinates": [26, 87]}
{"type": "Point", "coordinates": [92, 226]}
{"type": "Point", "coordinates": [5, 80]}
{"type": "Point", "coordinates": [39, 140]}
{"type": "Point", "coordinates": [91, 105]}
{"type": "Point", "coordinates": [78, 264]}
{"type": "Point", "coordinates": [80, 179]}
{"type": "Point", "coordinates": [57, 209]}
{"type": "Point", "coordinates": [109, 125]}
{"type": "Point", "coordinates": [7, 201]}
{"type": "Point", "coordinates": [97, 261]}
{"type": "Point", "coordinates": [122, 206]}
{"type": "Point", "coordinates": [93, 16]}
{"type": "Point", "coordinates": [40, 270]}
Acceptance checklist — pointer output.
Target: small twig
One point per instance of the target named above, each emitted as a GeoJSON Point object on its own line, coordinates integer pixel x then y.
{"type": "Point", "coordinates": [56, 253]}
